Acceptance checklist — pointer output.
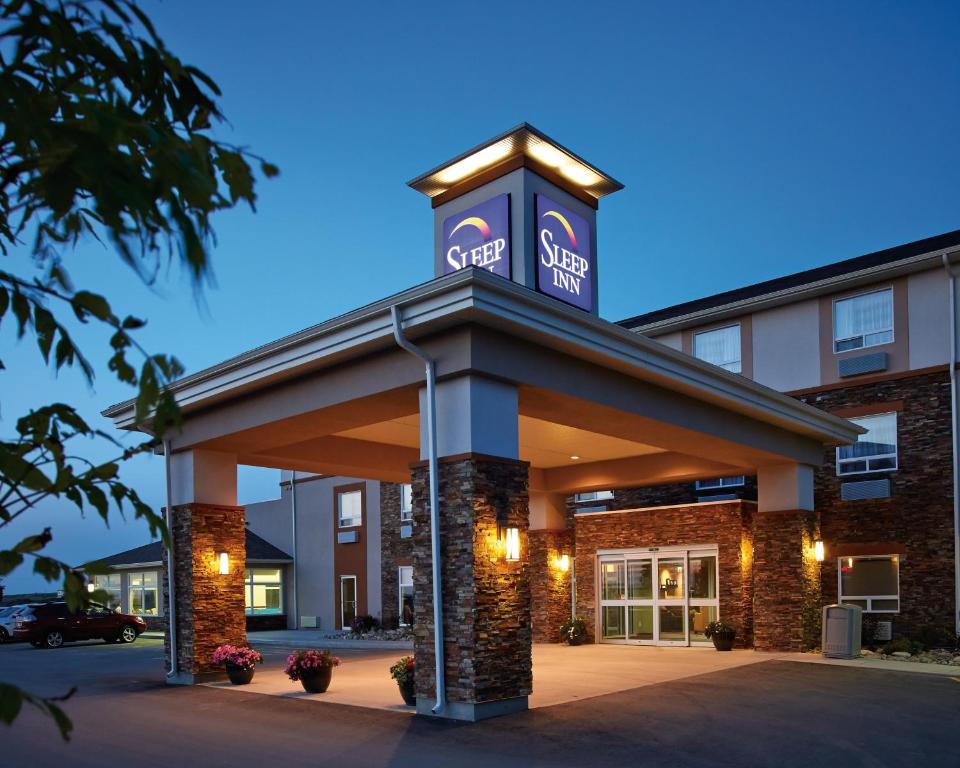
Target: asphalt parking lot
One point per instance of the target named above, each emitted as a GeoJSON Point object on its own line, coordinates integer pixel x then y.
{"type": "Point", "coordinates": [773, 713]}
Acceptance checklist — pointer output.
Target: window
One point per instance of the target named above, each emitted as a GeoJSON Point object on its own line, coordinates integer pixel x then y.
{"type": "Point", "coordinates": [719, 482]}
{"type": "Point", "coordinates": [594, 496]}
{"type": "Point", "coordinates": [263, 589]}
{"type": "Point", "coordinates": [142, 591]}
{"type": "Point", "coordinates": [405, 579]}
{"type": "Point", "coordinates": [721, 346]}
{"type": "Point", "coordinates": [873, 583]}
{"type": "Point", "coordinates": [350, 509]}
{"type": "Point", "coordinates": [863, 321]}
{"type": "Point", "coordinates": [348, 601]}
{"type": "Point", "coordinates": [109, 583]}
{"type": "Point", "coordinates": [406, 503]}
{"type": "Point", "coordinates": [874, 451]}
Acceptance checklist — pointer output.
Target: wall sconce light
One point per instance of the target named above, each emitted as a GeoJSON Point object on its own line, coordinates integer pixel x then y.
{"type": "Point", "coordinates": [224, 564]}
{"type": "Point", "coordinates": [91, 587]}
{"type": "Point", "coordinates": [564, 563]}
{"type": "Point", "coordinates": [511, 541]}
{"type": "Point", "coordinates": [818, 551]}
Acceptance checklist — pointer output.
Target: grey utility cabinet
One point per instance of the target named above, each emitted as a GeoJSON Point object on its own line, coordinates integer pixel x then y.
{"type": "Point", "coordinates": [841, 631]}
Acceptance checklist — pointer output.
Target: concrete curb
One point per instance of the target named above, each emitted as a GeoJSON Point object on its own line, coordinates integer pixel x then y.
{"type": "Point", "coordinates": [946, 670]}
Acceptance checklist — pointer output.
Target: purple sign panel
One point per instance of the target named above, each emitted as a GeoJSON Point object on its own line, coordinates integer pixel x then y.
{"type": "Point", "coordinates": [479, 237]}
{"type": "Point", "coordinates": [564, 261]}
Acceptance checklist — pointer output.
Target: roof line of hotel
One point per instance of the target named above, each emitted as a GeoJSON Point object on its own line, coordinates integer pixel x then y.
{"type": "Point", "coordinates": [786, 288]}
{"type": "Point", "coordinates": [474, 295]}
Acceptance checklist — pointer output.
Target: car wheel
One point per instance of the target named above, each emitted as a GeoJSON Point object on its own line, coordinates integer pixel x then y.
{"type": "Point", "coordinates": [127, 633]}
{"type": "Point", "coordinates": [53, 638]}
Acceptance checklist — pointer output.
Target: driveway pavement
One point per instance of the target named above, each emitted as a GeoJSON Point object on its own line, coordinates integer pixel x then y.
{"type": "Point", "coordinates": [771, 713]}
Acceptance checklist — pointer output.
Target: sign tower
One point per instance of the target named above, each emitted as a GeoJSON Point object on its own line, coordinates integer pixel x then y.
{"type": "Point", "coordinates": [523, 207]}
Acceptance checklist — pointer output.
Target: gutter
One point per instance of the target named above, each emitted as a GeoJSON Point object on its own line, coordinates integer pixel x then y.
{"type": "Point", "coordinates": [431, 375]}
{"type": "Point", "coordinates": [293, 533]}
{"type": "Point", "coordinates": [171, 581]}
{"type": "Point", "coordinates": [952, 361]}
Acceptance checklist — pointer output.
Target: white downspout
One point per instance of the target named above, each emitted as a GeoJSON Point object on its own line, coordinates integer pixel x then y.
{"type": "Point", "coordinates": [952, 359]}
{"type": "Point", "coordinates": [171, 581]}
{"type": "Point", "coordinates": [296, 561]}
{"type": "Point", "coordinates": [434, 502]}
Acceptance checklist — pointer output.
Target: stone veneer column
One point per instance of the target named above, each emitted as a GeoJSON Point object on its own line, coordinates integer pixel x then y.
{"type": "Point", "coordinates": [210, 605]}
{"type": "Point", "coordinates": [486, 600]}
{"type": "Point", "coordinates": [786, 593]}
{"type": "Point", "coordinates": [550, 599]}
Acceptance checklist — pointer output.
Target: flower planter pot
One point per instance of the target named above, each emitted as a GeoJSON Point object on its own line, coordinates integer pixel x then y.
{"type": "Point", "coordinates": [724, 642]}
{"type": "Point", "coordinates": [239, 675]}
{"type": "Point", "coordinates": [408, 691]}
{"type": "Point", "coordinates": [317, 682]}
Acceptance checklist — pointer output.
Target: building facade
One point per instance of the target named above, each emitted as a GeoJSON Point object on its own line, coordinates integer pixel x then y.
{"type": "Point", "coordinates": [488, 448]}
{"type": "Point", "coordinates": [867, 339]}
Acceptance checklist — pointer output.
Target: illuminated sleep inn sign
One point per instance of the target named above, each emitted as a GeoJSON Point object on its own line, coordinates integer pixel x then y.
{"type": "Point", "coordinates": [564, 261]}
{"type": "Point", "coordinates": [479, 237]}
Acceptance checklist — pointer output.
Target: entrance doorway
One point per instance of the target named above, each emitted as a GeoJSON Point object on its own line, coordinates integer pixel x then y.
{"type": "Point", "coordinates": [658, 596]}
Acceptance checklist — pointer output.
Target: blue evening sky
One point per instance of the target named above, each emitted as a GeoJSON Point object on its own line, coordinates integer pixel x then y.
{"type": "Point", "coordinates": [754, 140]}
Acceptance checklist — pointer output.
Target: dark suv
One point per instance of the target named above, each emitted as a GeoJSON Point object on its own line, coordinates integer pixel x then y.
{"type": "Point", "coordinates": [52, 624]}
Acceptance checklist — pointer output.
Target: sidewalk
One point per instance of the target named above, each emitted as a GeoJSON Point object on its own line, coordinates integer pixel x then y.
{"type": "Point", "coordinates": [947, 670]}
{"type": "Point", "coordinates": [312, 638]}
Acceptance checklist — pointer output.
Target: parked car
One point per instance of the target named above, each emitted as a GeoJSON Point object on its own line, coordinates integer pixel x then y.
{"type": "Point", "coordinates": [50, 625]}
{"type": "Point", "coordinates": [8, 621]}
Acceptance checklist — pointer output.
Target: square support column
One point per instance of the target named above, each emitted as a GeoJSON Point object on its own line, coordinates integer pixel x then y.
{"type": "Point", "coordinates": [486, 600]}
{"type": "Point", "coordinates": [209, 606]}
{"type": "Point", "coordinates": [786, 575]}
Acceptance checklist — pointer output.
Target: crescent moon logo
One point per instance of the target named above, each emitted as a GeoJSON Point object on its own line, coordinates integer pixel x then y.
{"type": "Point", "coordinates": [566, 225]}
{"type": "Point", "coordinates": [474, 221]}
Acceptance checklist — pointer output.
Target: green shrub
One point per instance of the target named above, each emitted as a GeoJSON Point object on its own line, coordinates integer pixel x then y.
{"type": "Point", "coordinates": [901, 645]}
{"type": "Point", "coordinates": [573, 631]}
{"type": "Point", "coordinates": [933, 636]}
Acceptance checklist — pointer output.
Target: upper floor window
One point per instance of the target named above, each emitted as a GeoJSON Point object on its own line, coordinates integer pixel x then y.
{"type": "Point", "coordinates": [350, 509]}
{"type": "Point", "coordinates": [720, 346]}
{"type": "Point", "coordinates": [406, 503]}
{"type": "Point", "coordinates": [874, 451]}
{"type": "Point", "coordinates": [593, 496]}
{"type": "Point", "coordinates": [720, 482]}
{"type": "Point", "coordinates": [863, 321]}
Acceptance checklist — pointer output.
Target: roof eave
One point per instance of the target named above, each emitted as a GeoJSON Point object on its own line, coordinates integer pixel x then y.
{"type": "Point", "coordinates": [475, 295]}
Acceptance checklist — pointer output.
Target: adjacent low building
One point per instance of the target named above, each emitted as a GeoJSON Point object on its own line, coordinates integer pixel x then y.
{"type": "Point", "coordinates": [136, 583]}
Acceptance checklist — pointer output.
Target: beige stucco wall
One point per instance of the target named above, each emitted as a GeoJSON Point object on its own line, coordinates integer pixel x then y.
{"type": "Point", "coordinates": [929, 314]}
{"type": "Point", "coordinates": [674, 340]}
{"type": "Point", "coordinates": [786, 346]}
{"type": "Point", "coordinates": [315, 571]}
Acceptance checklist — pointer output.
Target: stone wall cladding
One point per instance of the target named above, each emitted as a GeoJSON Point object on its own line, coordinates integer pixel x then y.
{"type": "Point", "coordinates": [785, 584]}
{"type": "Point", "coordinates": [726, 524]}
{"type": "Point", "coordinates": [918, 516]}
{"type": "Point", "coordinates": [210, 606]}
{"type": "Point", "coordinates": [487, 638]}
{"type": "Point", "coordinates": [669, 494]}
{"type": "Point", "coordinates": [394, 551]}
{"type": "Point", "coordinates": [549, 585]}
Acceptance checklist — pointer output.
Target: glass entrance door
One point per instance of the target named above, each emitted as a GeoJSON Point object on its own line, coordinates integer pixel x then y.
{"type": "Point", "coordinates": [661, 598]}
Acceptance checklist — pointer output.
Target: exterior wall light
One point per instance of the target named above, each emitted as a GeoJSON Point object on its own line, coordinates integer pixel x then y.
{"type": "Point", "coordinates": [224, 564]}
{"type": "Point", "coordinates": [818, 551]}
{"type": "Point", "coordinates": [511, 541]}
{"type": "Point", "coordinates": [564, 563]}
{"type": "Point", "coordinates": [91, 587]}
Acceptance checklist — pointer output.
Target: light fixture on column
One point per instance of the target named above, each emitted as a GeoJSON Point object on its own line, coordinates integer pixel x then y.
{"type": "Point", "coordinates": [91, 587]}
{"type": "Point", "coordinates": [818, 551]}
{"type": "Point", "coordinates": [224, 564]}
{"type": "Point", "coordinates": [564, 562]}
{"type": "Point", "coordinates": [511, 544]}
